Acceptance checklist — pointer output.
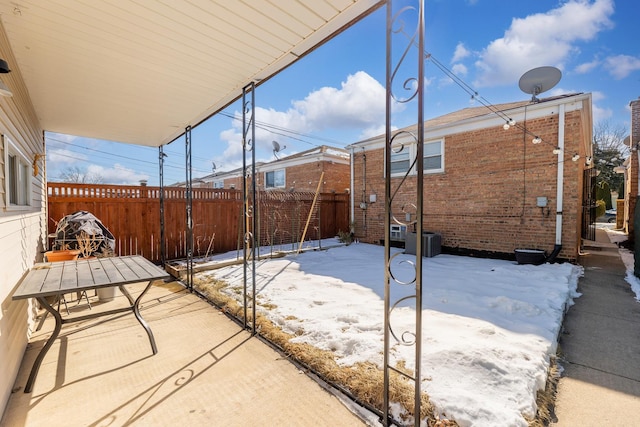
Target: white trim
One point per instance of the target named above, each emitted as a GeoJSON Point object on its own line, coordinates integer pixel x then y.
{"type": "Point", "coordinates": [284, 178]}
{"type": "Point", "coordinates": [23, 175]}
{"type": "Point", "coordinates": [534, 111]}
{"type": "Point", "coordinates": [412, 152]}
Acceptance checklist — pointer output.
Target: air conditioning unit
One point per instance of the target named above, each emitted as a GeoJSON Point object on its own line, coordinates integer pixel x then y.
{"type": "Point", "coordinates": [398, 232]}
{"type": "Point", "coordinates": [431, 244]}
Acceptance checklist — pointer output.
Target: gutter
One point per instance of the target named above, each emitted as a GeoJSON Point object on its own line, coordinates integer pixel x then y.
{"type": "Point", "coordinates": [351, 198]}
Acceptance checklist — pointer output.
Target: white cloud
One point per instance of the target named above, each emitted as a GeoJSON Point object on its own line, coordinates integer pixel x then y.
{"type": "Point", "coordinates": [459, 70]}
{"type": "Point", "coordinates": [460, 53]}
{"type": "Point", "coordinates": [359, 104]}
{"type": "Point", "coordinates": [599, 113]}
{"type": "Point", "coordinates": [542, 39]}
{"type": "Point", "coordinates": [585, 67]}
{"type": "Point", "coordinates": [117, 174]}
{"type": "Point", "coordinates": [63, 157]}
{"type": "Point", "coordinates": [620, 66]}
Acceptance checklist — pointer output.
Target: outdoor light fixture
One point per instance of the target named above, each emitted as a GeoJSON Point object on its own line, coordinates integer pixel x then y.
{"type": "Point", "coordinates": [575, 157]}
{"type": "Point", "coordinates": [511, 122]}
{"type": "Point", "coordinates": [557, 150]}
{"type": "Point", "coordinates": [589, 160]}
{"type": "Point", "coordinates": [537, 140]}
{"type": "Point", "coordinates": [505, 126]}
{"type": "Point", "coordinates": [4, 69]}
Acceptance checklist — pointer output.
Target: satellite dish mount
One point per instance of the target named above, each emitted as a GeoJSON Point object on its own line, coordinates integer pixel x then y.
{"type": "Point", "coordinates": [538, 80]}
{"type": "Point", "coordinates": [277, 149]}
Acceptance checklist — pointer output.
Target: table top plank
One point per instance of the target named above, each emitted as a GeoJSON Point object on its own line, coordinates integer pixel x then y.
{"type": "Point", "coordinates": [84, 273]}
{"type": "Point", "coordinates": [39, 277]}
{"type": "Point", "coordinates": [98, 273]}
{"type": "Point", "coordinates": [112, 271]}
{"type": "Point", "coordinates": [69, 278]}
{"type": "Point", "coordinates": [52, 278]}
{"type": "Point", "coordinates": [51, 282]}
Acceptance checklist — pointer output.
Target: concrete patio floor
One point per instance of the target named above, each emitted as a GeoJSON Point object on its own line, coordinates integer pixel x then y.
{"type": "Point", "coordinates": [208, 371]}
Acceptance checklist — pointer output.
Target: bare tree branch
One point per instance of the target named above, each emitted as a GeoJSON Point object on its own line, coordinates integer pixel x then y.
{"type": "Point", "coordinates": [79, 176]}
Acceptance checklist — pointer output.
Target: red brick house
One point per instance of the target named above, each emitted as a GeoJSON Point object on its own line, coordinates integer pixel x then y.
{"type": "Point", "coordinates": [632, 176]}
{"type": "Point", "coordinates": [298, 172]}
{"type": "Point", "coordinates": [488, 188]}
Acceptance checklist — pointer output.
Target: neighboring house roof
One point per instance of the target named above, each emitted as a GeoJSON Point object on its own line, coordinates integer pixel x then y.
{"type": "Point", "coordinates": [321, 153]}
{"type": "Point", "coordinates": [481, 116]}
{"type": "Point", "coordinates": [141, 72]}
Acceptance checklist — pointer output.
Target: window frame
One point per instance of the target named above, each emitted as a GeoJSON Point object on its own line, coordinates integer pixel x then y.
{"type": "Point", "coordinates": [275, 172]}
{"type": "Point", "coordinates": [21, 176]}
{"type": "Point", "coordinates": [412, 150]}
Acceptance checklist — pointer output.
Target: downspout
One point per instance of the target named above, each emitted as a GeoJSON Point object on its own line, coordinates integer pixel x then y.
{"type": "Point", "coordinates": [352, 212]}
{"type": "Point", "coordinates": [559, 187]}
{"type": "Point", "coordinates": [364, 193]}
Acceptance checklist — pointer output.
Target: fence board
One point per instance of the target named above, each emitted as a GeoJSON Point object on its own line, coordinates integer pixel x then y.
{"type": "Point", "coordinates": [132, 214]}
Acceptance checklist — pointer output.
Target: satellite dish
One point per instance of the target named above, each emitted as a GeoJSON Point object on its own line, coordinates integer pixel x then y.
{"type": "Point", "coordinates": [213, 167]}
{"type": "Point", "coordinates": [277, 148]}
{"type": "Point", "coordinates": [538, 80]}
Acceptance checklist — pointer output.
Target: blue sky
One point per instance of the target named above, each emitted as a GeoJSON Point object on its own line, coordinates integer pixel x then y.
{"type": "Point", "coordinates": [335, 95]}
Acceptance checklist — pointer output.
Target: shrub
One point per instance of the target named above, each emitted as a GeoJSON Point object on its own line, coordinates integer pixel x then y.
{"type": "Point", "coordinates": [345, 237]}
{"type": "Point", "coordinates": [601, 207]}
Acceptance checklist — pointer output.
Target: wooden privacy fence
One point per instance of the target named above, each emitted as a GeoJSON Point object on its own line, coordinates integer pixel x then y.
{"type": "Point", "coordinates": [132, 214]}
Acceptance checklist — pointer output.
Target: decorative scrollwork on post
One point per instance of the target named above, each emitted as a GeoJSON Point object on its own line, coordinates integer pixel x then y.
{"type": "Point", "coordinates": [249, 201]}
{"type": "Point", "coordinates": [404, 191]}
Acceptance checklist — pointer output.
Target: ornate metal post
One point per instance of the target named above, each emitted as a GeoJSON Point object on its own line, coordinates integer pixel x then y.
{"type": "Point", "coordinates": [401, 206]}
{"type": "Point", "coordinates": [249, 222]}
{"type": "Point", "coordinates": [163, 255]}
{"type": "Point", "coordinates": [189, 207]}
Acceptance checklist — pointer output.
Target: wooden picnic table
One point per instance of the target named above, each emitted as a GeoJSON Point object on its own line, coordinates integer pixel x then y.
{"type": "Point", "coordinates": [57, 278]}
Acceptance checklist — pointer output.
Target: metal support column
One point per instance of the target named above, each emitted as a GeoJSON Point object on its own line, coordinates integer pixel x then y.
{"type": "Point", "coordinates": [404, 202]}
{"type": "Point", "coordinates": [163, 254]}
{"type": "Point", "coordinates": [250, 203]}
{"type": "Point", "coordinates": [189, 207]}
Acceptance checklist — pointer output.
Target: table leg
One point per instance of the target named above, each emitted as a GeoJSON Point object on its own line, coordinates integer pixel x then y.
{"type": "Point", "coordinates": [56, 330]}
{"type": "Point", "coordinates": [136, 311]}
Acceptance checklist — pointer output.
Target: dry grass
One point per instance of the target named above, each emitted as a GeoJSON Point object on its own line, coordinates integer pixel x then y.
{"type": "Point", "coordinates": [363, 380]}
{"type": "Point", "coordinates": [546, 398]}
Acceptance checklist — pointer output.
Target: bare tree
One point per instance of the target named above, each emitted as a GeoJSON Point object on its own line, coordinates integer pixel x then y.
{"type": "Point", "coordinates": [80, 176]}
{"type": "Point", "coordinates": [610, 151]}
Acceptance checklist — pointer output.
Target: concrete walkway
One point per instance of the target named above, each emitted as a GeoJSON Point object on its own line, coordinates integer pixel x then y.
{"type": "Point", "coordinates": [601, 346]}
{"type": "Point", "coordinates": [208, 372]}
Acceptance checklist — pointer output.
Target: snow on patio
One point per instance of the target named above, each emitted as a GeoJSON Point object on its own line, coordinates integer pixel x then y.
{"type": "Point", "coordinates": [490, 327]}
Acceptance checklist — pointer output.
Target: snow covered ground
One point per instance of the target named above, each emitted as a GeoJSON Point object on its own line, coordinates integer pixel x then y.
{"type": "Point", "coordinates": [489, 326]}
{"type": "Point", "coordinates": [617, 236]}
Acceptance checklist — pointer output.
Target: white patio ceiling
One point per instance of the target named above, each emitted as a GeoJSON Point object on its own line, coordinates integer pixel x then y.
{"type": "Point", "coordinates": [140, 71]}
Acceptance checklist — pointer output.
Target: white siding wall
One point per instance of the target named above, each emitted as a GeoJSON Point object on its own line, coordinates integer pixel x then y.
{"type": "Point", "coordinates": [22, 231]}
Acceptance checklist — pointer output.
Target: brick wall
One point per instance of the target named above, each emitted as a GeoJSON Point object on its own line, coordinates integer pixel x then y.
{"type": "Point", "coordinates": [486, 200]}
{"type": "Point", "coordinates": [305, 177]}
{"type": "Point", "coordinates": [633, 176]}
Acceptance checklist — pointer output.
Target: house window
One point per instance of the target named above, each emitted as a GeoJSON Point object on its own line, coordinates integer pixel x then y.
{"type": "Point", "coordinates": [218, 184]}
{"type": "Point", "coordinates": [401, 161]}
{"type": "Point", "coordinates": [274, 179]}
{"type": "Point", "coordinates": [432, 154]}
{"type": "Point", "coordinates": [17, 176]}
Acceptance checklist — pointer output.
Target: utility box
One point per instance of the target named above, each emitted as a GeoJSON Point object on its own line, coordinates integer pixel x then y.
{"type": "Point", "coordinates": [431, 244]}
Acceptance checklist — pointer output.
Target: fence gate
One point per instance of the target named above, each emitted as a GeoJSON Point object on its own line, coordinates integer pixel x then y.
{"type": "Point", "coordinates": [589, 204]}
